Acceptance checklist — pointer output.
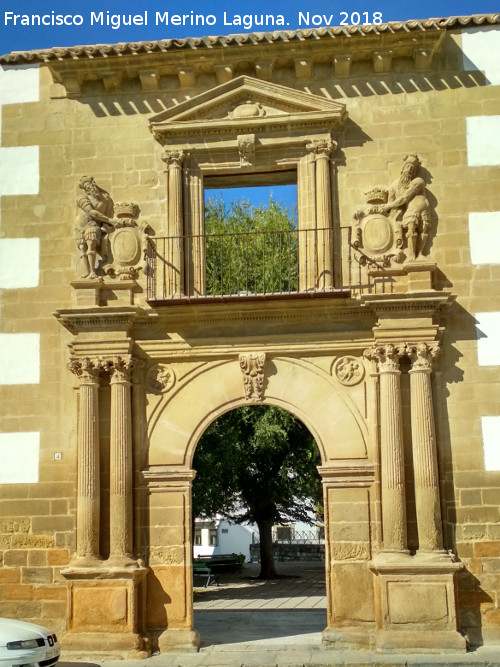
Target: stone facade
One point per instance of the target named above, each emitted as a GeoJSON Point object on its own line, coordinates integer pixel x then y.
{"type": "Point", "coordinates": [114, 360]}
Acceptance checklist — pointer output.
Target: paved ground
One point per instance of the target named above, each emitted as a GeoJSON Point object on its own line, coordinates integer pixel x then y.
{"type": "Point", "coordinates": [248, 623]}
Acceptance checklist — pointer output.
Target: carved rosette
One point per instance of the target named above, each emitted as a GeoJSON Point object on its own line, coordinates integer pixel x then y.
{"type": "Point", "coordinates": [348, 371]}
{"type": "Point", "coordinates": [252, 367]}
{"type": "Point", "coordinates": [160, 379]}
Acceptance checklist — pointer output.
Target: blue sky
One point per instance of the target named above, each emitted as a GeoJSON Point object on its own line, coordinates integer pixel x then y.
{"type": "Point", "coordinates": [24, 37]}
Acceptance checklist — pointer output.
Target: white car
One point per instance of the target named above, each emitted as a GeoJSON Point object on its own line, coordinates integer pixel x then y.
{"type": "Point", "coordinates": [27, 645]}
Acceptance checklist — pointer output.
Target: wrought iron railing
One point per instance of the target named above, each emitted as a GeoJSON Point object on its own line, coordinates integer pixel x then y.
{"type": "Point", "coordinates": [277, 264]}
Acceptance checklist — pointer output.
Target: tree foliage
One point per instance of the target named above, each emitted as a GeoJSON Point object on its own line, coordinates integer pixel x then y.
{"type": "Point", "coordinates": [250, 249]}
{"type": "Point", "coordinates": [257, 464]}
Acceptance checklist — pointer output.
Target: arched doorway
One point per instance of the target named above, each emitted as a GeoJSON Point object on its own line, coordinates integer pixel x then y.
{"type": "Point", "coordinates": [258, 490]}
{"type": "Point", "coordinates": [330, 411]}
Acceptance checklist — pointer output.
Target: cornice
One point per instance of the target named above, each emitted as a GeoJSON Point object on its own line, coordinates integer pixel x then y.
{"type": "Point", "coordinates": [106, 51]}
{"type": "Point", "coordinates": [169, 64]}
{"type": "Point", "coordinates": [98, 319]}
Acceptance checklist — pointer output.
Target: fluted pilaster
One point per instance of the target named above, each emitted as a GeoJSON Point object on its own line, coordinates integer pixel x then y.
{"type": "Point", "coordinates": [121, 468]}
{"type": "Point", "coordinates": [174, 160]}
{"type": "Point", "coordinates": [425, 465]}
{"type": "Point", "coordinates": [391, 448]}
{"type": "Point", "coordinates": [88, 485]}
{"type": "Point", "coordinates": [322, 150]}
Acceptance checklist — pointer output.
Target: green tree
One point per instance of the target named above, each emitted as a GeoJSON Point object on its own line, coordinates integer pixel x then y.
{"type": "Point", "coordinates": [257, 464]}
{"type": "Point", "coordinates": [250, 249]}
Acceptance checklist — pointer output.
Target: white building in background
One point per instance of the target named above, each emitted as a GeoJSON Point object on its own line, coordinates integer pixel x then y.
{"type": "Point", "coordinates": [219, 536]}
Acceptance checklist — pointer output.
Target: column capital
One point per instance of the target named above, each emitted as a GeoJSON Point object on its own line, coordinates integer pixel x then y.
{"type": "Point", "coordinates": [386, 356]}
{"type": "Point", "coordinates": [120, 369]}
{"type": "Point", "coordinates": [174, 157]}
{"type": "Point", "coordinates": [422, 355]}
{"type": "Point", "coordinates": [322, 147]}
{"type": "Point", "coordinates": [86, 369]}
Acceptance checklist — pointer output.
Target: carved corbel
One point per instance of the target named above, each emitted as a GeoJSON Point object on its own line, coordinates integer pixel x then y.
{"type": "Point", "coordinates": [149, 79]}
{"type": "Point", "coordinates": [303, 68]}
{"type": "Point", "coordinates": [422, 57]}
{"type": "Point", "coordinates": [252, 367]}
{"type": "Point", "coordinates": [382, 62]}
{"type": "Point", "coordinates": [187, 77]}
{"type": "Point", "coordinates": [111, 81]}
{"type": "Point", "coordinates": [264, 69]}
{"type": "Point", "coordinates": [342, 65]}
{"type": "Point", "coordinates": [224, 73]}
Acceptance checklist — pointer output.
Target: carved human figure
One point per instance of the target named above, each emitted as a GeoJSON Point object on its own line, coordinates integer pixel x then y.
{"type": "Point", "coordinates": [95, 217]}
{"type": "Point", "coordinates": [407, 196]}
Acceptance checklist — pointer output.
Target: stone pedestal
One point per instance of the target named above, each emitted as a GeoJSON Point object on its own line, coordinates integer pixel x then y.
{"type": "Point", "coordinates": [105, 617]}
{"type": "Point", "coordinates": [415, 604]}
{"type": "Point", "coordinates": [99, 292]}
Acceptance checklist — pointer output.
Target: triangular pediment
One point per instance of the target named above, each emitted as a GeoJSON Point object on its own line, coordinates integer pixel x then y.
{"type": "Point", "coordinates": [246, 101]}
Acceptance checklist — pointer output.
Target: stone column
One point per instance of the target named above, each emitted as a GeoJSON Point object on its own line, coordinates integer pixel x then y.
{"type": "Point", "coordinates": [174, 252]}
{"type": "Point", "coordinates": [324, 278]}
{"type": "Point", "coordinates": [391, 448]}
{"type": "Point", "coordinates": [88, 483]}
{"type": "Point", "coordinates": [306, 199]}
{"type": "Point", "coordinates": [121, 468]}
{"type": "Point", "coordinates": [423, 432]}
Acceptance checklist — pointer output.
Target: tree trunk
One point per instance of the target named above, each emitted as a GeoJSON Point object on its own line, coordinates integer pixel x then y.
{"type": "Point", "coordinates": [267, 569]}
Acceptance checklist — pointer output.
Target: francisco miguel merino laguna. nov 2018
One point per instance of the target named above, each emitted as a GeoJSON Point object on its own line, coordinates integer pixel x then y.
{"type": "Point", "coordinates": [245, 21]}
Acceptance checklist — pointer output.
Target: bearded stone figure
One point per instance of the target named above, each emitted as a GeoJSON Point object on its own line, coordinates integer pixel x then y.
{"type": "Point", "coordinates": [93, 222]}
{"type": "Point", "coordinates": [408, 199]}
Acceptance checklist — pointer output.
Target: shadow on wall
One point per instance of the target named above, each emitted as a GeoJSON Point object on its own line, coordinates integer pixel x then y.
{"type": "Point", "coordinates": [132, 100]}
{"type": "Point", "coordinates": [471, 597]}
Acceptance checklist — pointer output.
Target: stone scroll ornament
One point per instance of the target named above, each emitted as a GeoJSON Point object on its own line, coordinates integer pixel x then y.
{"type": "Point", "coordinates": [394, 225]}
{"type": "Point", "coordinates": [110, 238]}
{"type": "Point", "coordinates": [252, 367]}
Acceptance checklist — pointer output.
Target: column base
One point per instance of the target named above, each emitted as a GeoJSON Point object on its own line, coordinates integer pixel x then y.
{"type": "Point", "coordinates": [176, 640]}
{"type": "Point", "coordinates": [105, 611]}
{"type": "Point", "coordinates": [415, 603]}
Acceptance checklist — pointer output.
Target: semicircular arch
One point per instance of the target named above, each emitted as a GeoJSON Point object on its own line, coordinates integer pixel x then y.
{"type": "Point", "coordinates": [294, 385]}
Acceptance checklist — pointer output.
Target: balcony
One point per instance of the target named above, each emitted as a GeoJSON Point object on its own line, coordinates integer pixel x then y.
{"type": "Point", "coordinates": [307, 263]}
